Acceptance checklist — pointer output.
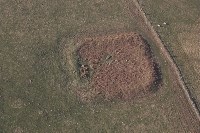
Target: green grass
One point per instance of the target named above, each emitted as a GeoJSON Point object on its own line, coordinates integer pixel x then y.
{"type": "Point", "coordinates": [183, 18]}
{"type": "Point", "coordinates": [34, 69]}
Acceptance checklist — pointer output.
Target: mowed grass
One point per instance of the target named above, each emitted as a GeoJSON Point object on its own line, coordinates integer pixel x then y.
{"type": "Point", "coordinates": [35, 77]}
{"type": "Point", "coordinates": [181, 35]}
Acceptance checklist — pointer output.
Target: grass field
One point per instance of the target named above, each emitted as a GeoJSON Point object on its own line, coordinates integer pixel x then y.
{"type": "Point", "coordinates": [36, 81]}
{"type": "Point", "coordinates": [181, 35]}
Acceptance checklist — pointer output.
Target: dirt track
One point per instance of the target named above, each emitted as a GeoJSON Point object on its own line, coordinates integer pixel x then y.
{"type": "Point", "coordinates": [170, 60]}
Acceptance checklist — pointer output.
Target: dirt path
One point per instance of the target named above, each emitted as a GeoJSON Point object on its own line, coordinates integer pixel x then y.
{"type": "Point", "coordinates": [167, 55]}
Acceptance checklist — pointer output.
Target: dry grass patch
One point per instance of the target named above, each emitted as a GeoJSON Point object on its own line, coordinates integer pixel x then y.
{"type": "Point", "coordinates": [18, 130]}
{"type": "Point", "coordinates": [117, 66]}
{"type": "Point", "coordinates": [17, 103]}
{"type": "Point", "coordinates": [190, 43]}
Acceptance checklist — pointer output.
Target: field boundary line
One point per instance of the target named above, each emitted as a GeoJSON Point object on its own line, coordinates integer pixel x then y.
{"type": "Point", "coordinates": [167, 55]}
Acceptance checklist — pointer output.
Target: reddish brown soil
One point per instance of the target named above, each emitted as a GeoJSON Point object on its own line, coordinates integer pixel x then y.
{"type": "Point", "coordinates": [122, 66]}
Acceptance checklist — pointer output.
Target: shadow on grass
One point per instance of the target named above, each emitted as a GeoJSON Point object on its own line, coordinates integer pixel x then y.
{"type": "Point", "coordinates": [157, 70]}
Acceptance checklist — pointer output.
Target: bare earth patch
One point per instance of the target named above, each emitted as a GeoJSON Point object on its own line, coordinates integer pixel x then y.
{"type": "Point", "coordinates": [117, 66]}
